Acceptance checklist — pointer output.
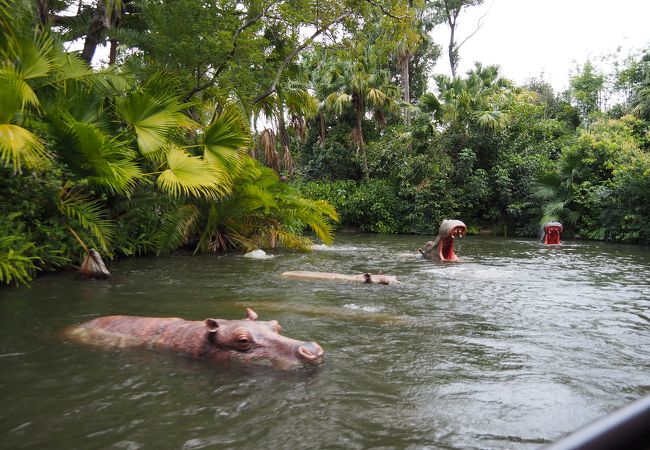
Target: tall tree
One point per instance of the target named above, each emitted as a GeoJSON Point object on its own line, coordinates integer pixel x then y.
{"type": "Point", "coordinates": [449, 11]}
{"type": "Point", "coordinates": [359, 82]}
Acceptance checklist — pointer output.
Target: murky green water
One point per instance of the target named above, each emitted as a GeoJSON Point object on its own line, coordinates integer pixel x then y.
{"type": "Point", "coordinates": [507, 349]}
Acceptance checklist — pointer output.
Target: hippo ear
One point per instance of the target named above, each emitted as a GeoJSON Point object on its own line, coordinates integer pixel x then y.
{"type": "Point", "coordinates": [250, 314]}
{"type": "Point", "coordinates": [211, 325]}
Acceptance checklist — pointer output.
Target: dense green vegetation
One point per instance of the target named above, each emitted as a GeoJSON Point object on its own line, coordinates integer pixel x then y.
{"type": "Point", "coordinates": [228, 125]}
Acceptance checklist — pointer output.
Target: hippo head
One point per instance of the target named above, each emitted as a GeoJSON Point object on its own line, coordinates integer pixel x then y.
{"type": "Point", "coordinates": [448, 231]}
{"type": "Point", "coordinates": [552, 232]}
{"type": "Point", "coordinates": [254, 341]}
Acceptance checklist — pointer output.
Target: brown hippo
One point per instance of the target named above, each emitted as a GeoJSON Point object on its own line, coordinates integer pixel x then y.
{"type": "Point", "coordinates": [218, 340]}
{"type": "Point", "coordinates": [552, 232]}
{"type": "Point", "coordinates": [448, 231]}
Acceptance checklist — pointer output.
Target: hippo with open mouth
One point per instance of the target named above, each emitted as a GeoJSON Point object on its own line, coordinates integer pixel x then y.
{"type": "Point", "coordinates": [552, 232]}
{"type": "Point", "coordinates": [218, 340]}
{"type": "Point", "coordinates": [448, 231]}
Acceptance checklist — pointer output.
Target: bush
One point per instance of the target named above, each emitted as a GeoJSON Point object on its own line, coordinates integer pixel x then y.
{"type": "Point", "coordinates": [335, 160]}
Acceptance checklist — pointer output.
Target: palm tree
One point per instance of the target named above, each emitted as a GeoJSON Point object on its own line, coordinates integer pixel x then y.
{"type": "Point", "coordinates": [261, 211]}
{"type": "Point", "coordinates": [360, 83]}
{"type": "Point", "coordinates": [482, 99]}
{"type": "Point", "coordinates": [556, 190]}
{"type": "Point", "coordinates": [45, 89]}
{"type": "Point", "coordinates": [292, 99]}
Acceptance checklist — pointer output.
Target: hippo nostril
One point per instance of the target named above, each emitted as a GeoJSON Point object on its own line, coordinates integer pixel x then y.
{"type": "Point", "coordinates": [310, 351]}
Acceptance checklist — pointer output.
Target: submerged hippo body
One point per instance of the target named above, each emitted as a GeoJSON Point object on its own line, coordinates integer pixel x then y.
{"type": "Point", "coordinates": [218, 340]}
{"type": "Point", "coordinates": [448, 231]}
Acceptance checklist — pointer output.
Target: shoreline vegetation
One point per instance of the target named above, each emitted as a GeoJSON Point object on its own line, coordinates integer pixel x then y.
{"type": "Point", "coordinates": [242, 125]}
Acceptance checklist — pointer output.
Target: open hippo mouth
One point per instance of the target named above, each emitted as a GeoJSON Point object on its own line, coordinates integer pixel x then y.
{"type": "Point", "coordinates": [552, 232]}
{"type": "Point", "coordinates": [448, 231]}
{"type": "Point", "coordinates": [446, 248]}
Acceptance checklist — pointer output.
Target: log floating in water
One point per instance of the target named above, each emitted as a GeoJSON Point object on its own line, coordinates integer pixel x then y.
{"type": "Point", "coordinates": [362, 277]}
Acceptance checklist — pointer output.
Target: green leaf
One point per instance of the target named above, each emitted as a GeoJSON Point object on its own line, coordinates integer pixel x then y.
{"type": "Point", "coordinates": [109, 163]}
{"type": "Point", "coordinates": [178, 226]}
{"type": "Point", "coordinates": [223, 141]}
{"type": "Point", "coordinates": [19, 146]}
{"type": "Point", "coordinates": [192, 176]}
{"type": "Point", "coordinates": [153, 119]}
{"type": "Point", "coordinates": [90, 214]}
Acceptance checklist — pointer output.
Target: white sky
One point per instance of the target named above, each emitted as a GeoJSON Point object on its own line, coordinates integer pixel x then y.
{"type": "Point", "coordinates": [527, 38]}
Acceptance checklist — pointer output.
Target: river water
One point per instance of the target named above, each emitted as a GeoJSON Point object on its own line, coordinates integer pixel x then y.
{"type": "Point", "coordinates": [509, 348]}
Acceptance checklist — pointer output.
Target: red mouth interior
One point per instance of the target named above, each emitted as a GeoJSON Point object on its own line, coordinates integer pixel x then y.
{"type": "Point", "coordinates": [552, 235]}
{"type": "Point", "coordinates": [446, 249]}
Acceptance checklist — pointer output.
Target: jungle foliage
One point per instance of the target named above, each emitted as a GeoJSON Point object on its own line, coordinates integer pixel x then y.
{"type": "Point", "coordinates": [141, 127]}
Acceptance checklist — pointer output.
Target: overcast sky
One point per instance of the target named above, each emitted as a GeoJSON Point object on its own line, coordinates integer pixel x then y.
{"type": "Point", "coordinates": [530, 37]}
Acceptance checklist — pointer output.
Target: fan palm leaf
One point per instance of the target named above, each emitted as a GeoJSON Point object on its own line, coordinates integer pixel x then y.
{"type": "Point", "coordinates": [224, 139]}
{"type": "Point", "coordinates": [20, 147]}
{"type": "Point", "coordinates": [187, 175]}
{"type": "Point", "coordinates": [338, 102]}
{"type": "Point", "coordinates": [153, 119]}
{"type": "Point", "coordinates": [107, 162]}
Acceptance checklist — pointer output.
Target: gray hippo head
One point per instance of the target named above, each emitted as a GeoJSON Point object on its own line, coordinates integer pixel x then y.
{"type": "Point", "coordinates": [448, 231]}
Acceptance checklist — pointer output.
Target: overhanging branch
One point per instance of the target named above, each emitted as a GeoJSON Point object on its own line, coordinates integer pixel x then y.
{"type": "Point", "coordinates": [226, 60]}
{"type": "Point", "coordinates": [274, 84]}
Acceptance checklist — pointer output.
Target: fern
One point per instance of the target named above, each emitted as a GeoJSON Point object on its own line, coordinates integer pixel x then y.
{"type": "Point", "coordinates": [17, 265]}
{"type": "Point", "coordinates": [90, 214]}
{"type": "Point", "coordinates": [177, 229]}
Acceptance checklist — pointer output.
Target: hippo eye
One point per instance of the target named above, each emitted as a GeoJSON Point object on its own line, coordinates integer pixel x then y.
{"type": "Point", "coordinates": [242, 339]}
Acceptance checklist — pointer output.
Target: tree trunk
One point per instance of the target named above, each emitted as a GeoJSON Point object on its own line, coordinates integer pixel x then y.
{"type": "Point", "coordinates": [453, 62]}
{"type": "Point", "coordinates": [358, 108]}
{"type": "Point", "coordinates": [43, 11]}
{"type": "Point", "coordinates": [282, 127]}
{"type": "Point", "coordinates": [404, 61]}
{"type": "Point", "coordinates": [112, 56]}
{"type": "Point", "coordinates": [321, 115]}
{"type": "Point", "coordinates": [98, 23]}
{"type": "Point", "coordinates": [287, 161]}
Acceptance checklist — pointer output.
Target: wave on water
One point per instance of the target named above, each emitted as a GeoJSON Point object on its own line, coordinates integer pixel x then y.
{"type": "Point", "coordinates": [334, 248]}
{"type": "Point", "coordinates": [472, 272]}
{"type": "Point", "coordinates": [373, 309]}
{"type": "Point", "coordinates": [258, 254]}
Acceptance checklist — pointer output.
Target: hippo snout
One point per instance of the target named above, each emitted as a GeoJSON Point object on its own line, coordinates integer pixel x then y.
{"type": "Point", "coordinates": [310, 352]}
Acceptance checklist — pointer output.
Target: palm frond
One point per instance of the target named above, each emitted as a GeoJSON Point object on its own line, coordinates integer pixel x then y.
{"type": "Point", "coordinates": [110, 164]}
{"type": "Point", "coordinates": [187, 175]}
{"type": "Point", "coordinates": [255, 197]}
{"type": "Point", "coordinates": [293, 240]}
{"type": "Point", "coordinates": [32, 58]}
{"type": "Point", "coordinates": [16, 88]}
{"type": "Point", "coordinates": [90, 214]}
{"type": "Point", "coordinates": [318, 215]}
{"type": "Point", "coordinates": [20, 147]}
{"type": "Point", "coordinates": [178, 226]}
{"type": "Point", "coordinates": [338, 102]}
{"type": "Point", "coordinates": [153, 118]}
{"type": "Point", "coordinates": [107, 82]}
{"type": "Point", "coordinates": [17, 260]}
{"type": "Point", "coordinates": [287, 162]}
{"type": "Point", "coordinates": [267, 142]}
{"type": "Point", "coordinates": [224, 139]}
{"type": "Point", "coordinates": [376, 97]}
